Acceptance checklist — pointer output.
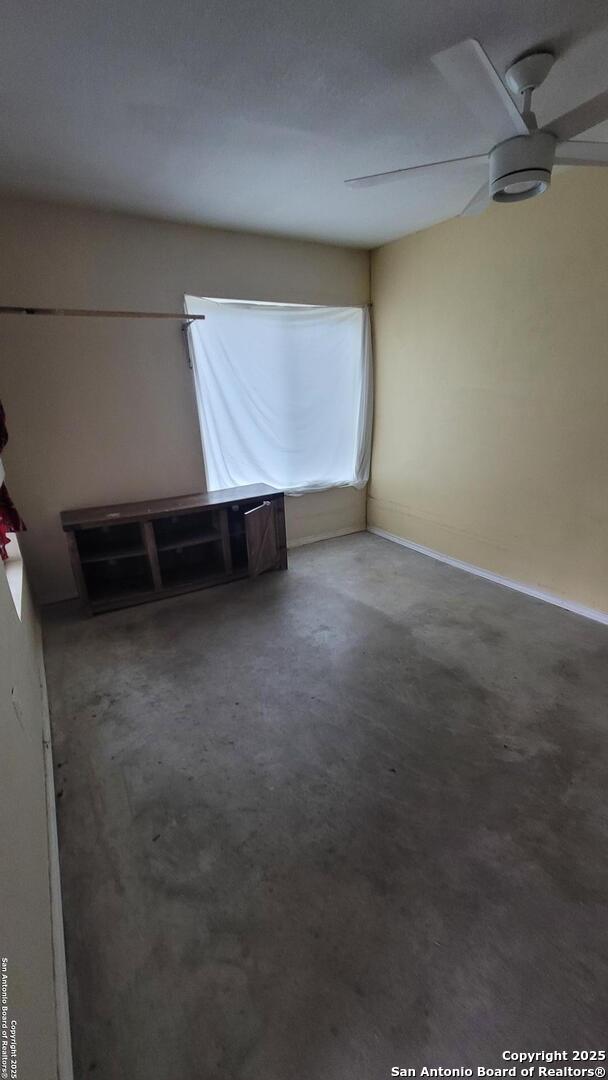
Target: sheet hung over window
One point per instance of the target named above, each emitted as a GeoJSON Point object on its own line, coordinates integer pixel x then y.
{"type": "Point", "coordinates": [283, 394]}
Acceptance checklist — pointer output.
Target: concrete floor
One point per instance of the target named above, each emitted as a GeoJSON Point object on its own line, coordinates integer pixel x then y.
{"type": "Point", "coordinates": [331, 821]}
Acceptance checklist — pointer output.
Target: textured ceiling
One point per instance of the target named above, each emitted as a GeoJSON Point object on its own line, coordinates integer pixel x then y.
{"type": "Point", "coordinates": [251, 115]}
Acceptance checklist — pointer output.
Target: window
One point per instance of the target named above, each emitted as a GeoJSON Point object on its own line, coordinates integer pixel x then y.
{"type": "Point", "coordinates": [12, 561]}
{"type": "Point", "coordinates": [14, 573]}
{"type": "Point", "coordinates": [283, 394]}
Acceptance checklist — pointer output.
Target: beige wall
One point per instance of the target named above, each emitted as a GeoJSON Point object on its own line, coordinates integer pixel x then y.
{"type": "Point", "coordinates": [25, 911]}
{"type": "Point", "coordinates": [491, 420]}
{"type": "Point", "coordinates": [104, 411]}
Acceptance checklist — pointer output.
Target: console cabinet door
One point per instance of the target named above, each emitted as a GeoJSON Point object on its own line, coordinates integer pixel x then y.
{"type": "Point", "coordinates": [261, 534]}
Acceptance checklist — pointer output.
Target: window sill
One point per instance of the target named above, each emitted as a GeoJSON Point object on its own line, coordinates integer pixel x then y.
{"type": "Point", "coordinates": [14, 573]}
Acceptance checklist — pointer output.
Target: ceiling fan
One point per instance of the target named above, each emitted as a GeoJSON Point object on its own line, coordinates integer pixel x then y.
{"type": "Point", "coordinates": [523, 155]}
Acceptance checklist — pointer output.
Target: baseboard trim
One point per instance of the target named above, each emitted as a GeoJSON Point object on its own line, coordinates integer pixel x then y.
{"type": "Point", "coordinates": [517, 586]}
{"type": "Point", "coordinates": [324, 536]}
{"type": "Point", "coordinates": [62, 1009]}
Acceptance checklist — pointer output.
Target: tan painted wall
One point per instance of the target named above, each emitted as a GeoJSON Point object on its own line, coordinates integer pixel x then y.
{"type": "Point", "coordinates": [491, 421]}
{"type": "Point", "coordinates": [104, 411]}
{"type": "Point", "coordinates": [25, 906]}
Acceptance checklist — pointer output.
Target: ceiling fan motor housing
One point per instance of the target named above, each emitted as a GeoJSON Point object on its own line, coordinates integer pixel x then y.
{"type": "Point", "coordinates": [521, 167]}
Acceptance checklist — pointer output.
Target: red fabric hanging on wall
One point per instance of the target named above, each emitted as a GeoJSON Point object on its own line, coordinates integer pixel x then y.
{"type": "Point", "coordinates": [10, 521]}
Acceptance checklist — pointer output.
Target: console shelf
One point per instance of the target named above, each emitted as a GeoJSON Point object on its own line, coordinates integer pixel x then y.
{"type": "Point", "coordinates": [132, 553]}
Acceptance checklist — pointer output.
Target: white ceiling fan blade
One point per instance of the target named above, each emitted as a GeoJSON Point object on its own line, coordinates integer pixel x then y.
{"type": "Point", "coordinates": [398, 174]}
{"type": "Point", "coordinates": [478, 203]}
{"type": "Point", "coordinates": [469, 71]}
{"type": "Point", "coordinates": [582, 153]}
{"type": "Point", "coordinates": [581, 119]}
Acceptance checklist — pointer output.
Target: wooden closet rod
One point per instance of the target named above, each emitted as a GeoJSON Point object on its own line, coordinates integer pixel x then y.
{"type": "Point", "coordinates": [91, 314]}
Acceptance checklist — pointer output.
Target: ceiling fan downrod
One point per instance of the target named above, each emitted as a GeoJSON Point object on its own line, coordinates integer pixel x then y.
{"type": "Point", "coordinates": [524, 76]}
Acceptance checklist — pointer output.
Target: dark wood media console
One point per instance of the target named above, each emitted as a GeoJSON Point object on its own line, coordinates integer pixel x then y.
{"type": "Point", "coordinates": [136, 552]}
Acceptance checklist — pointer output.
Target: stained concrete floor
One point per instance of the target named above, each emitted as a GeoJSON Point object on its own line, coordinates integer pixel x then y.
{"type": "Point", "coordinates": [331, 821]}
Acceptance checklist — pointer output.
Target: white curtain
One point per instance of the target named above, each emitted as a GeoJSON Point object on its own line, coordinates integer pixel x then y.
{"type": "Point", "coordinates": [283, 394]}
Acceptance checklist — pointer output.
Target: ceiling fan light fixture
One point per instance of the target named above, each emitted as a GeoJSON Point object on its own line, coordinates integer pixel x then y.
{"type": "Point", "coordinates": [514, 187]}
{"type": "Point", "coordinates": [520, 168]}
